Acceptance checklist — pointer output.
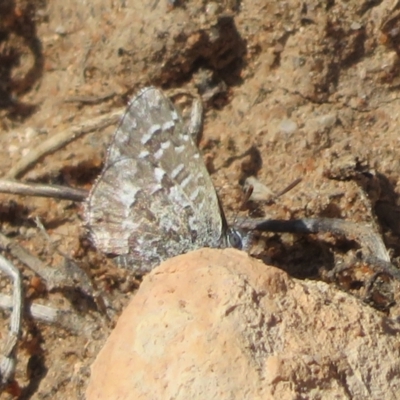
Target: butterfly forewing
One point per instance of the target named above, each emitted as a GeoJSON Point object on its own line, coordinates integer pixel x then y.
{"type": "Point", "coordinates": [154, 198]}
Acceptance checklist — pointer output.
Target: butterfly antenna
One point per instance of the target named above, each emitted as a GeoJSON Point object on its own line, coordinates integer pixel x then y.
{"type": "Point", "coordinates": [249, 191]}
{"type": "Point", "coordinates": [287, 189]}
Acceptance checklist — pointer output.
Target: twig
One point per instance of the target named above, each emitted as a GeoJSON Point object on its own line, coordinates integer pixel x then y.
{"type": "Point", "coordinates": [377, 255]}
{"type": "Point", "coordinates": [61, 139]}
{"type": "Point", "coordinates": [42, 190]}
{"type": "Point", "coordinates": [37, 311]}
{"type": "Point", "coordinates": [73, 270]}
{"type": "Point", "coordinates": [67, 275]}
{"type": "Point", "coordinates": [8, 361]}
{"type": "Point", "coordinates": [48, 315]}
{"type": "Point", "coordinates": [362, 233]}
{"type": "Point", "coordinates": [90, 99]}
{"type": "Point", "coordinates": [54, 277]}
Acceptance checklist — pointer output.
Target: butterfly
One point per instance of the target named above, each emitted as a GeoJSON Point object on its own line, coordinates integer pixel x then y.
{"type": "Point", "coordinates": [154, 198]}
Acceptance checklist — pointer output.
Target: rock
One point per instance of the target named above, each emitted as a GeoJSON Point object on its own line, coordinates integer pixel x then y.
{"type": "Point", "coordinates": [217, 324]}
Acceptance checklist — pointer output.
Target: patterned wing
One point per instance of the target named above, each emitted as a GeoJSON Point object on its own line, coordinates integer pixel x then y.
{"type": "Point", "coordinates": [154, 198]}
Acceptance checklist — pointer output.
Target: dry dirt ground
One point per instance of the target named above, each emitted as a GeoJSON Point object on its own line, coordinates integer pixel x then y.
{"type": "Point", "coordinates": [291, 89]}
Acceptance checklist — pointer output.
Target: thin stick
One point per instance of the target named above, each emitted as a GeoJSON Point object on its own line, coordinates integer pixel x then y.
{"type": "Point", "coordinates": [362, 233]}
{"type": "Point", "coordinates": [42, 190]}
{"type": "Point", "coordinates": [90, 99]}
{"type": "Point", "coordinates": [8, 361]}
{"type": "Point", "coordinates": [376, 255]}
{"type": "Point", "coordinates": [72, 269]}
{"type": "Point", "coordinates": [37, 311]}
{"type": "Point", "coordinates": [62, 139]}
{"type": "Point", "coordinates": [48, 315]}
{"type": "Point", "coordinates": [54, 277]}
{"type": "Point", "coordinates": [196, 119]}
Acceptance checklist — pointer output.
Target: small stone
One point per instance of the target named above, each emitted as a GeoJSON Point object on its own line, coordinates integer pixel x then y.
{"type": "Point", "coordinates": [260, 191]}
{"type": "Point", "coordinates": [30, 133]}
{"type": "Point", "coordinates": [61, 30]}
{"type": "Point", "coordinates": [212, 8]}
{"type": "Point", "coordinates": [287, 126]}
{"type": "Point", "coordinates": [355, 26]}
{"type": "Point", "coordinates": [327, 120]}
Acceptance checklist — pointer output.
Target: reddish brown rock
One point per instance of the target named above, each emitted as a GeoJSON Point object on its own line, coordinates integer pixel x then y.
{"type": "Point", "coordinates": [216, 324]}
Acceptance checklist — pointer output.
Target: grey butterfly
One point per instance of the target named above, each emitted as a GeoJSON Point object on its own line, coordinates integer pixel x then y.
{"type": "Point", "coordinates": [154, 198]}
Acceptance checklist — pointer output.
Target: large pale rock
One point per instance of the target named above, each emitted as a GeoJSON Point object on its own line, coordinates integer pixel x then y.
{"type": "Point", "coordinates": [216, 324]}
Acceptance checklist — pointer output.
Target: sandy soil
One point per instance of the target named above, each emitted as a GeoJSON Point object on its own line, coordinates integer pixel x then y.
{"type": "Point", "coordinates": [291, 89]}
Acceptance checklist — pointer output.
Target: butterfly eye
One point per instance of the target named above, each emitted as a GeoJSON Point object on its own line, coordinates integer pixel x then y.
{"type": "Point", "coordinates": [234, 239]}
